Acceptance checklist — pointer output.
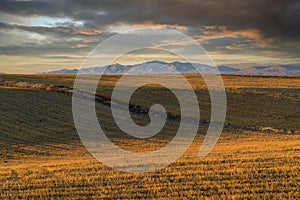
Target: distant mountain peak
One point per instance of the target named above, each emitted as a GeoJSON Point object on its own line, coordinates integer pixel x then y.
{"type": "Point", "coordinates": [116, 65]}
{"type": "Point", "coordinates": [272, 70]}
{"type": "Point", "coordinates": [155, 62]}
{"type": "Point", "coordinates": [160, 67]}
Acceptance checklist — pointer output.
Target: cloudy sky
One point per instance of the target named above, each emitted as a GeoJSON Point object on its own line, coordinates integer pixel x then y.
{"type": "Point", "coordinates": [49, 35]}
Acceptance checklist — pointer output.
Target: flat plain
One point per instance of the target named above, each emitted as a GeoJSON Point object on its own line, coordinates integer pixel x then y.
{"type": "Point", "coordinates": [42, 157]}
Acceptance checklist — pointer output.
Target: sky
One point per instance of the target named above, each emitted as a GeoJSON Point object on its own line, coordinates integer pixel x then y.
{"type": "Point", "coordinates": [39, 36]}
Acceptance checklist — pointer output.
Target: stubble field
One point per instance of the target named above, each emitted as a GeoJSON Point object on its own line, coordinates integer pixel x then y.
{"type": "Point", "coordinates": [42, 157]}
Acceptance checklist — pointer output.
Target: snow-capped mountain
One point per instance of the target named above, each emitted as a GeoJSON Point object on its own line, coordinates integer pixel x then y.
{"type": "Point", "coordinates": [152, 67]}
{"type": "Point", "coordinates": [159, 67]}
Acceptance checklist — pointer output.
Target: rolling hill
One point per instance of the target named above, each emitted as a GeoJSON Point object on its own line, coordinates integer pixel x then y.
{"type": "Point", "coordinates": [42, 157]}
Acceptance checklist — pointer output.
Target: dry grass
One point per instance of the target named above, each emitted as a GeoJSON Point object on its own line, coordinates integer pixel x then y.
{"type": "Point", "coordinates": [246, 166]}
{"type": "Point", "coordinates": [251, 101]}
{"type": "Point", "coordinates": [41, 156]}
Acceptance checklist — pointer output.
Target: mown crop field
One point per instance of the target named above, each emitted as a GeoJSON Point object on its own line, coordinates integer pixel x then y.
{"type": "Point", "coordinates": [42, 157]}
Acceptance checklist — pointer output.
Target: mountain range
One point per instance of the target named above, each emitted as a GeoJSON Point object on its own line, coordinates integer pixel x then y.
{"type": "Point", "coordinates": [159, 67]}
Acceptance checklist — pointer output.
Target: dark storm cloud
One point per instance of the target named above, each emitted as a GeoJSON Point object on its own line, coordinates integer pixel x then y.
{"type": "Point", "coordinates": [64, 31]}
{"type": "Point", "coordinates": [276, 23]}
{"type": "Point", "coordinates": [273, 18]}
{"type": "Point", "coordinates": [44, 49]}
{"type": "Point", "coordinates": [31, 7]}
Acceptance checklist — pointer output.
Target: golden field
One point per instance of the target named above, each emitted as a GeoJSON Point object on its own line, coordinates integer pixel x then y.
{"type": "Point", "coordinates": [42, 157]}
